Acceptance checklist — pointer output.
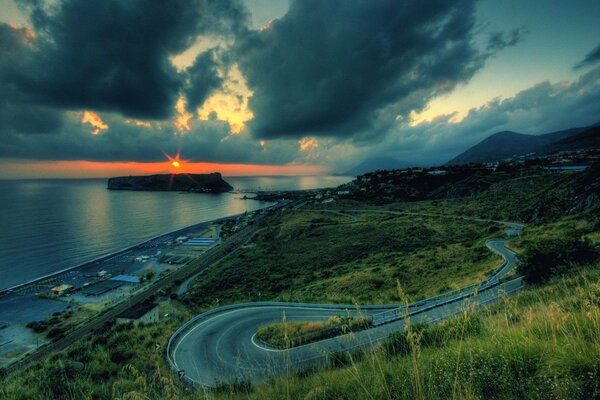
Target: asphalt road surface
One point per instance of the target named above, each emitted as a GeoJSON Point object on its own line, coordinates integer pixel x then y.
{"type": "Point", "coordinates": [220, 345]}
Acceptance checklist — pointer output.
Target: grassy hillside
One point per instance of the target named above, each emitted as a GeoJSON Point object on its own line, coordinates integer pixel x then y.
{"type": "Point", "coordinates": [532, 199]}
{"type": "Point", "coordinates": [310, 256]}
{"type": "Point", "coordinates": [542, 344]}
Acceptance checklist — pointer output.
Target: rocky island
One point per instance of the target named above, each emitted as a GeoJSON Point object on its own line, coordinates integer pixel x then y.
{"type": "Point", "coordinates": [196, 183]}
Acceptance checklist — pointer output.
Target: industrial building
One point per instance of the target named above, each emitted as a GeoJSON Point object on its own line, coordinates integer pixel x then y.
{"type": "Point", "coordinates": [143, 313]}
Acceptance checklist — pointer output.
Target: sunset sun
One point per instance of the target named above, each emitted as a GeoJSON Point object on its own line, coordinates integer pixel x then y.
{"type": "Point", "coordinates": [175, 162]}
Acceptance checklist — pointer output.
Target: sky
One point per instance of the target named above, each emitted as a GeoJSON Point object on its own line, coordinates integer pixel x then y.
{"type": "Point", "coordinates": [98, 88]}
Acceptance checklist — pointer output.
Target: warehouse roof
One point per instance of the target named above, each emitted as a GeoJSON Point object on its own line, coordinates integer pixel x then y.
{"type": "Point", "coordinates": [126, 278]}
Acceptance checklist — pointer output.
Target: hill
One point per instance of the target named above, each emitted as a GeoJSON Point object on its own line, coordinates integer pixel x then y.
{"type": "Point", "coordinates": [586, 139]}
{"type": "Point", "coordinates": [201, 183]}
{"type": "Point", "coordinates": [508, 144]}
{"type": "Point", "coordinates": [376, 163]}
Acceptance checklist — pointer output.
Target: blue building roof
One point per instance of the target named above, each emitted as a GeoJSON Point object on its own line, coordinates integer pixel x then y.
{"type": "Point", "coordinates": [126, 278]}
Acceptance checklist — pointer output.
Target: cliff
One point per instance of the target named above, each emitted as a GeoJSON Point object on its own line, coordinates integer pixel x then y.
{"type": "Point", "coordinates": [200, 183]}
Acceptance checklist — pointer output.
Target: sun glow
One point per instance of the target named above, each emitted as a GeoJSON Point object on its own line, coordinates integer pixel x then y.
{"type": "Point", "coordinates": [182, 119]}
{"type": "Point", "coordinates": [94, 119]}
{"type": "Point", "coordinates": [176, 163]}
{"type": "Point", "coordinates": [229, 104]}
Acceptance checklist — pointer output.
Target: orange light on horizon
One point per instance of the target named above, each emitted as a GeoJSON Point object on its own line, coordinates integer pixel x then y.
{"type": "Point", "coordinates": [176, 164]}
{"type": "Point", "coordinates": [95, 169]}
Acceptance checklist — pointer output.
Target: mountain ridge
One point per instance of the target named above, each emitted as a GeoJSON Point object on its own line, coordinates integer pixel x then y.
{"type": "Point", "coordinates": [508, 144]}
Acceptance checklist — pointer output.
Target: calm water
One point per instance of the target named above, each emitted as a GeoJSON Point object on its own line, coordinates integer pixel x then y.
{"type": "Point", "coordinates": [50, 225]}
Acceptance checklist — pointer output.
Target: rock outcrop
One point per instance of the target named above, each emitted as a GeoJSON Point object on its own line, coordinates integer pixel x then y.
{"type": "Point", "coordinates": [197, 183]}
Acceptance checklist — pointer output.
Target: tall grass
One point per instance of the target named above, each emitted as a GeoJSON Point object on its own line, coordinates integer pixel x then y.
{"type": "Point", "coordinates": [541, 344]}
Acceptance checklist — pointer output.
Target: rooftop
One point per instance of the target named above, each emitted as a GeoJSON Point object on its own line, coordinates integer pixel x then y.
{"type": "Point", "coordinates": [137, 311]}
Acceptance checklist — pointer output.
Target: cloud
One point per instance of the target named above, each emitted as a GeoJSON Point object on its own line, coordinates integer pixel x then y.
{"type": "Point", "coordinates": [124, 140]}
{"type": "Point", "coordinates": [95, 121]}
{"type": "Point", "coordinates": [115, 56]}
{"type": "Point", "coordinates": [329, 82]}
{"type": "Point", "coordinates": [336, 68]}
{"type": "Point", "coordinates": [203, 79]}
{"type": "Point", "coordinates": [542, 108]}
{"type": "Point", "coordinates": [18, 112]}
{"type": "Point", "coordinates": [500, 40]}
{"type": "Point", "coordinates": [591, 58]}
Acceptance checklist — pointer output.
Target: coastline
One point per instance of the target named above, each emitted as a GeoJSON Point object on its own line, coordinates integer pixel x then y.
{"type": "Point", "coordinates": [112, 254]}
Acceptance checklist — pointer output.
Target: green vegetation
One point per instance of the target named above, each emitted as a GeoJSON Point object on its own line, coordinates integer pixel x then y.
{"type": "Point", "coordinates": [555, 257]}
{"type": "Point", "coordinates": [323, 257]}
{"type": "Point", "coordinates": [55, 326]}
{"type": "Point", "coordinates": [543, 343]}
{"type": "Point", "coordinates": [536, 198]}
{"type": "Point", "coordinates": [119, 362]}
{"type": "Point", "coordinates": [285, 335]}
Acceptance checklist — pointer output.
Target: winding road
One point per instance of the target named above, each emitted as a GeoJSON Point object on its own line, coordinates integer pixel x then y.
{"type": "Point", "coordinates": [220, 345]}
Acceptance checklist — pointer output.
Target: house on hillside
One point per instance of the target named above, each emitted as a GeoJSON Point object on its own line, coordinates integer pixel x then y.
{"type": "Point", "coordinates": [143, 313]}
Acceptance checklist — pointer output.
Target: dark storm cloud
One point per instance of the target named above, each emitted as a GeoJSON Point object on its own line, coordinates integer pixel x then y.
{"type": "Point", "coordinates": [19, 112]}
{"type": "Point", "coordinates": [202, 80]}
{"type": "Point", "coordinates": [114, 55]}
{"type": "Point", "coordinates": [207, 141]}
{"type": "Point", "coordinates": [333, 68]}
{"type": "Point", "coordinates": [591, 58]}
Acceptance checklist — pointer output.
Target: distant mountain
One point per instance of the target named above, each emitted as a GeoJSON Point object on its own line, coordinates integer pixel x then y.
{"type": "Point", "coordinates": [507, 144]}
{"type": "Point", "coordinates": [375, 163]}
{"type": "Point", "coordinates": [586, 139]}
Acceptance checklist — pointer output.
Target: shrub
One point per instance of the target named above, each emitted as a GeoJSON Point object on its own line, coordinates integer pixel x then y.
{"type": "Point", "coordinates": [56, 333]}
{"type": "Point", "coordinates": [396, 344]}
{"type": "Point", "coordinates": [554, 257]}
{"type": "Point", "coordinates": [339, 359]}
{"type": "Point", "coordinates": [237, 386]}
{"type": "Point", "coordinates": [37, 326]}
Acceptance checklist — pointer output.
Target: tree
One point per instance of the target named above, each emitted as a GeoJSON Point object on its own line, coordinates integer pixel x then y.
{"type": "Point", "coordinates": [549, 258]}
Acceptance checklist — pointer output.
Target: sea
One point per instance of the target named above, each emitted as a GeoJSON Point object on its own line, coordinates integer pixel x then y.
{"type": "Point", "coordinates": [50, 225]}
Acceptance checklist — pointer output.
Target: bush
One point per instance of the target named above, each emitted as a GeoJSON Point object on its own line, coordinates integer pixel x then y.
{"type": "Point", "coordinates": [237, 386]}
{"type": "Point", "coordinates": [121, 355]}
{"type": "Point", "coordinates": [37, 326]}
{"type": "Point", "coordinates": [555, 257]}
{"type": "Point", "coordinates": [396, 344]}
{"type": "Point", "coordinates": [56, 333]}
{"type": "Point", "coordinates": [339, 359]}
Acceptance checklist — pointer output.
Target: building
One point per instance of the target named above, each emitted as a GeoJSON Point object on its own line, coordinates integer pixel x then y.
{"type": "Point", "coordinates": [100, 288]}
{"type": "Point", "coordinates": [143, 313]}
{"type": "Point", "coordinates": [566, 168]}
{"type": "Point", "coordinates": [437, 172]}
{"type": "Point", "coordinates": [126, 279]}
{"type": "Point", "coordinates": [61, 289]}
